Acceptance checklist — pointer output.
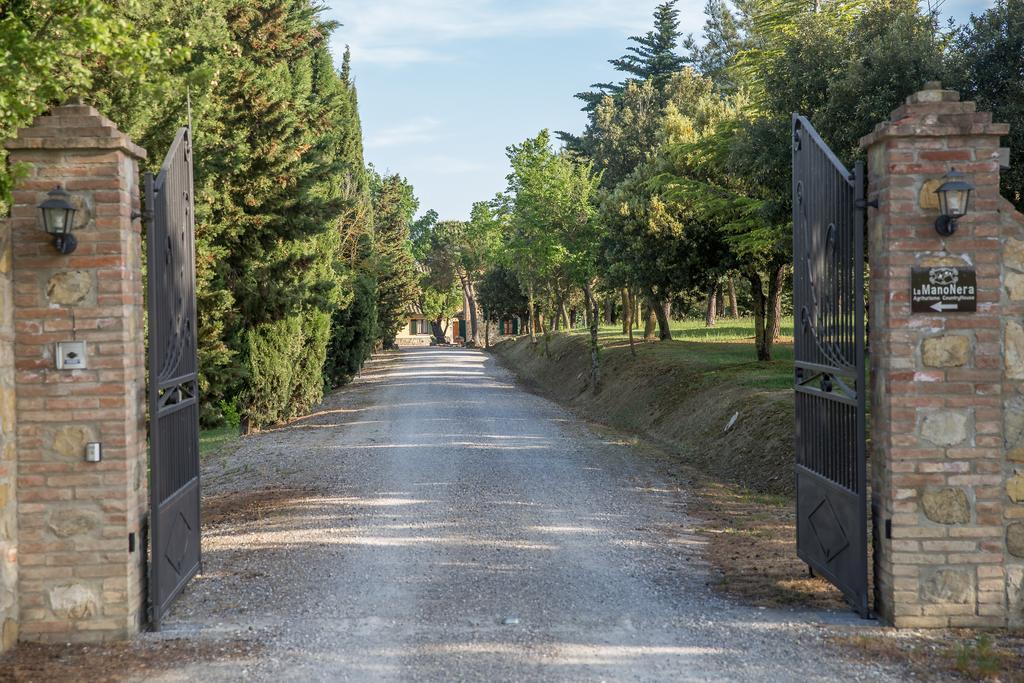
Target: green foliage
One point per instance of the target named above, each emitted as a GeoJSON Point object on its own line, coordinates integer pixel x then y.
{"type": "Point", "coordinates": [284, 241]}
{"type": "Point", "coordinates": [229, 410]}
{"type": "Point", "coordinates": [715, 58]}
{"type": "Point", "coordinates": [551, 238]}
{"type": "Point", "coordinates": [50, 49]}
{"type": "Point", "coordinates": [354, 332]}
{"type": "Point", "coordinates": [501, 295]}
{"type": "Point", "coordinates": [978, 658]}
{"type": "Point", "coordinates": [651, 57]}
{"type": "Point", "coordinates": [394, 206]}
{"type": "Point", "coordinates": [986, 66]}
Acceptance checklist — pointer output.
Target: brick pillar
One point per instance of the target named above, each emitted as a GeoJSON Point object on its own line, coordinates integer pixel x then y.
{"type": "Point", "coordinates": [78, 579]}
{"type": "Point", "coordinates": [8, 463]}
{"type": "Point", "coordinates": [941, 463]}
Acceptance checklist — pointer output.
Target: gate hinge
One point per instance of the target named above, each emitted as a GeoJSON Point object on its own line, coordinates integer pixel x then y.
{"type": "Point", "coordinates": [864, 203]}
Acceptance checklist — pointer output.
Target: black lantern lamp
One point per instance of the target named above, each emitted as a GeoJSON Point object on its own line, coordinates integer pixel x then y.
{"type": "Point", "coordinates": [954, 197]}
{"type": "Point", "coordinates": [58, 214]}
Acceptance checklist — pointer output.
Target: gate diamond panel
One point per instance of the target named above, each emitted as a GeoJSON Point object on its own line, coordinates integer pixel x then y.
{"type": "Point", "coordinates": [828, 305]}
{"type": "Point", "coordinates": [173, 379]}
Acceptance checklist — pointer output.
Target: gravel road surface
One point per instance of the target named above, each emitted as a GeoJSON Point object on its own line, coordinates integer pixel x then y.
{"type": "Point", "coordinates": [435, 522]}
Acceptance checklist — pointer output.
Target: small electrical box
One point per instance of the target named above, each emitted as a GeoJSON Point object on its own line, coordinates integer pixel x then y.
{"type": "Point", "coordinates": [93, 452]}
{"type": "Point", "coordinates": [71, 355]}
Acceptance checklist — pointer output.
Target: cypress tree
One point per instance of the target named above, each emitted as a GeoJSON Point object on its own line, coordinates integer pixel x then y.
{"type": "Point", "coordinates": [397, 280]}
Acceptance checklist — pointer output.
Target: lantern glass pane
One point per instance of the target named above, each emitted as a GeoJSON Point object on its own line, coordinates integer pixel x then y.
{"type": "Point", "coordinates": [56, 220]}
{"type": "Point", "coordinates": [955, 203]}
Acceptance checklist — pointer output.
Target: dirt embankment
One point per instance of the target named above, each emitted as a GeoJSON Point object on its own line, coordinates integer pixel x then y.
{"type": "Point", "coordinates": [678, 399]}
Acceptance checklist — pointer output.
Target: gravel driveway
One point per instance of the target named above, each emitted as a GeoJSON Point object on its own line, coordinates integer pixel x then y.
{"type": "Point", "coordinates": [433, 522]}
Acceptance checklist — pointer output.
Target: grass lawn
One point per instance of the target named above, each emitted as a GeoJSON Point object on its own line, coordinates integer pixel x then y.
{"type": "Point", "coordinates": [725, 351]}
{"type": "Point", "coordinates": [213, 440]}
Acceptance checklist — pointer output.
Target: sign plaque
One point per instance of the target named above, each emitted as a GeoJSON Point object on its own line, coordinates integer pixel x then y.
{"type": "Point", "coordinates": [944, 289]}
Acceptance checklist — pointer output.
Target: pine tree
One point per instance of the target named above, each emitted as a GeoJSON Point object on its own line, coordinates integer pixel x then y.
{"type": "Point", "coordinates": [653, 56]}
{"type": "Point", "coordinates": [722, 43]}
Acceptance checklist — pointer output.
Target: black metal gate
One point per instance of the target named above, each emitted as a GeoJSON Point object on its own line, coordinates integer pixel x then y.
{"type": "Point", "coordinates": [828, 302]}
{"type": "Point", "coordinates": [173, 387]}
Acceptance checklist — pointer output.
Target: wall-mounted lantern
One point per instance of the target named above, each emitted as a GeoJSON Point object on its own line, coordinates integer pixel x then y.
{"type": "Point", "coordinates": [58, 217]}
{"type": "Point", "coordinates": [954, 197]}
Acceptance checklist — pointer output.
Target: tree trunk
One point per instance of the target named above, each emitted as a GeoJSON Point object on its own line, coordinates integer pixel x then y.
{"type": "Point", "coordinates": [733, 304]}
{"type": "Point", "coordinates": [487, 331]}
{"type": "Point", "coordinates": [595, 365]}
{"type": "Point", "coordinates": [635, 298]}
{"type": "Point", "coordinates": [650, 322]}
{"type": "Point", "coordinates": [775, 288]}
{"type": "Point", "coordinates": [533, 313]}
{"type": "Point", "coordinates": [438, 331]}
{"type": "Point", "coordinates": [564, 314]}
{"type": "Point", "coordinates": [474, 317]}
{"type": "Point", "coordinates": [626, 310]}
{"type": "Point", "coordinates": [544, 333]}
{"type": "Point", "coordinates": [572, 318]}
{"type": "Point", "coordinates": [469, 302]}
{"type": "Point", "coordinates": [627, 319]}
{"type": "Point", "coordinates": [711, 312]}
{"type": "Point", "coordinates": [761, 343]}
{"type": "Point", "coordinates": [664, 312]}
{"type": "Point", "coordinates": [608, 311]}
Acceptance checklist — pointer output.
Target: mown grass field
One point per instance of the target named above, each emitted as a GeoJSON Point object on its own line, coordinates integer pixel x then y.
{"type": "Point", "coordinates": [725, 351]}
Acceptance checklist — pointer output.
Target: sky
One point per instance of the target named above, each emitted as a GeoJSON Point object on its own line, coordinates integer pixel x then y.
{"type": "Point", "coordinates": [446, 85]}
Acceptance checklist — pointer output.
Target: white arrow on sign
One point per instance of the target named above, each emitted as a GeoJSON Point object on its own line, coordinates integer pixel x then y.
{"type": "Point", "coordinates": [940, 307]}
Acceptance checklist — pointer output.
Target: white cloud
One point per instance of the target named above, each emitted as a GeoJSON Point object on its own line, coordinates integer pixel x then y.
{"type": "Point", "coordinates": [424, 129]}
{"type": "Point", "coordinates": [399, 32]}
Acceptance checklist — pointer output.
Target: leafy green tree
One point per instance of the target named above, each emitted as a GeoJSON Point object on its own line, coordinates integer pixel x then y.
{"type": "Point", "coordinates": [51, 49]}
{"type": "Point", "coordinates": [986, 66]}
{"type": "Point", "coordinates": [439, 302]}
{"type": "Point", "coordinates": [501, 297]}
{"type": "Point", "coordinates": [461, 251]}
{"type": "Point", "coordinates": [628, 130]}
{"type": "Point", "coordinates": [531, 247]}
{"type": "Point", "coordinates": [553, 235]}
{"type": "Point", "coordinates": [845, 64]}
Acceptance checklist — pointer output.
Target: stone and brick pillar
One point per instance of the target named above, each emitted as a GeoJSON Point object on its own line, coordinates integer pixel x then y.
{"type": "Point", "coordinates": [948, 399]}
{"type": "Point", "coordinates": [80, 549]}
{"type": "Point", "coordinates": [8, 461]}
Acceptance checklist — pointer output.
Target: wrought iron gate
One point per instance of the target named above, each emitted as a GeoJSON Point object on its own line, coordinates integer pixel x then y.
{"type": "Point", "coordinates": [173, 386]}
{"type": "Point", "coordinates": [828, 302]}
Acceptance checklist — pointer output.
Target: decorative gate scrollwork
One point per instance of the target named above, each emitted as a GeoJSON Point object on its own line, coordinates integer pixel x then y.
{"type": "Point", "coordinates": [828, 299]}
{"type": "Point", "coordinates": [173, 379]}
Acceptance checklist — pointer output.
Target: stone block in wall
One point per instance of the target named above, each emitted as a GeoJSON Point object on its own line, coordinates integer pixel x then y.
{"type": "Point", "coordinates": [1015, 539]}
{"type": "Point", "coordinates": [945, 427]}
{"type": "Point", "coordinates": [948, 586]}
{"type": "Point", "coordinates": [947, 351]}
{"type": "Point", "coordinates": [1013, 428]}
{"type": "Point", "coordinates": [946, 506]}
